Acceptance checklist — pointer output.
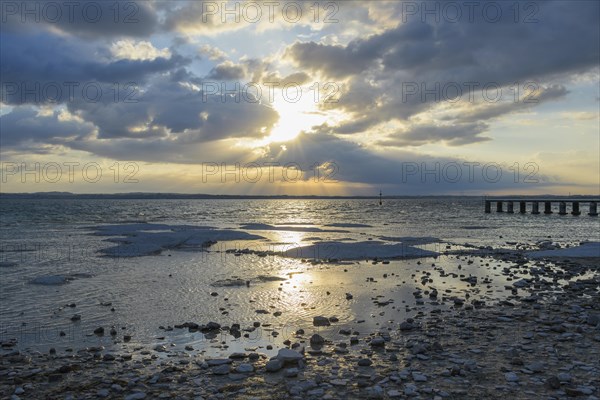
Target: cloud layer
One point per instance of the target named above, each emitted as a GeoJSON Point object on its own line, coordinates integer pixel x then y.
{"type": "Point", "coordinates": [152, 81]}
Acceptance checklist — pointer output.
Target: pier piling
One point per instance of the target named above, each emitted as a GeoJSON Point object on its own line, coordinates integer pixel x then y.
{"type": "Point", "coordinates": [593, 209]}
{"type": "Point", "coordinates": [547, 204]}
{"type": "Point", "coordinates": [499, 206]}
{"type": "Point", "coordinates": [562, 208]}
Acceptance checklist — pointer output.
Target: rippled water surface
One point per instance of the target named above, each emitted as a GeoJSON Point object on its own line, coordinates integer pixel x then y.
{"type": "Point", "coordinates": [56, 237]}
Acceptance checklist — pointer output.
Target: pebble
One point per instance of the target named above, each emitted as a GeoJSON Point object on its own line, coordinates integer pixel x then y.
{"type": "Point", "coordinates": [244, 368]}
{"type": "Point", "coordinates": [417, 377]}
{"type": "Point", "coordinates": [536, 366]}
{"type": "Point", "coordinates": [375, 392]}
{"type": "Point", "coordinates": [511, 377]}
{"type": "Point", "coordinates": [218, 361]}
{"type": "Point", "coordinates": [317, 339]}
{"type": "Point", "coordinates": [410, 390]}
{"type": "Point", "coordinates": [274, 365]}
{"type": "Point", "coordinates": [289, 355]}
{"type": "Point", "coordinates": [364, 362]}
{"type": "Point", "coordinates": [406, 326]}
{"type": "Point", "coordinates": [473, 344]}
{"type": "Point", "coordinates": [564, 377]}
{"type": "Point", "coordinates": [136, 396]}
{"type": "Point", "coordinates": [221, 370]}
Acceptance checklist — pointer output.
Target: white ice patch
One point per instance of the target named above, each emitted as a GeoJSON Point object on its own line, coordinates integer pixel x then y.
{"type": "Point", "coordinates": [585, 250]}
{"type": "Point", "coordinates": [147, 239]}
{"type": "Point", "coordinates": [131, 229]}
{"type": "Point", "coordinates": [357, 251]}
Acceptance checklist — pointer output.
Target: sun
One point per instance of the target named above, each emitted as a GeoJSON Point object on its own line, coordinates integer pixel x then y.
{"type": "Point", "coordinates": [295, 116]}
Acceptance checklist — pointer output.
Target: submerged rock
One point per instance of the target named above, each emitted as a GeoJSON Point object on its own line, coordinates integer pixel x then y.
{"type": "Point", "coordinates": [317, 340]}
{"type": "Point", "coordinates": [321, 321]}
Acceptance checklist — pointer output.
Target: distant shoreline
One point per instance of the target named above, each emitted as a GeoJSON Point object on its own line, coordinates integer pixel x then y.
{"type": "Point", "coordinates": [202, 196]}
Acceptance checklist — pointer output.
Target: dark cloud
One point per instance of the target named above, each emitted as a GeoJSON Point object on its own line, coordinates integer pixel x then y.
{"type": "Point", "coordinates": [132, 70]}
{"type": "Point", "coordinates": [253, 68]}
{"type": "Point", "coordinates": [192, 17]}
{"type": "Point", "coordinates": [46, 60]}
{"type": "Point", "coordinates": [166, 112]}
{"type": "Point", "coordinates": [227, 71]}
{"type": "Point", "coordinates": [534, 97]}
{"type": "Point", "coordinates": [452, 135]}
{"type": "Point", "coordinates": [374, 72]}
{"type": "Point", "coordinates": [479, 50]}
{"type": "Point", "coordinates": [88, 18]}
{"type": "Point", "coordinates": [174, 109]}
{"type": "Point", "coordinates": [405, 172]}
{"type": "Point", "coordinates": [334, 61]}
{"type": "Point", "coordinates": [169, 118]}
{"type": "Point", "coordinates": [155, 100]}
{"type": "Point", "coordinates": [163, 150]}
{"type": "Point", "coordinates": [25, 125]}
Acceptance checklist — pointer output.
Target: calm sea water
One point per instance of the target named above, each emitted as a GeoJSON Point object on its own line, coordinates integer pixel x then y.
{"type": "Point", "coordinates": [55, 237]}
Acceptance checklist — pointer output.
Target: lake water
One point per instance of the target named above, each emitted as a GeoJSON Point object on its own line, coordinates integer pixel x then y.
{"type": "Point", "coordinates": [57, 237]}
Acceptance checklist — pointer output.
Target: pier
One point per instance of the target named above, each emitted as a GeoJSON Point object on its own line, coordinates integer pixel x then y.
{"type": "Point", "coordinates": [547, 204]}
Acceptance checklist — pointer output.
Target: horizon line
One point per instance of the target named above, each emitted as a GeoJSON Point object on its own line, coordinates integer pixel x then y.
{"type": "Point", "coordinates": [158, 195]}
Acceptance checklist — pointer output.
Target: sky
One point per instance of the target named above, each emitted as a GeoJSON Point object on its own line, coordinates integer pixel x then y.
{"type": "Point", "coordinates": [300, 98]}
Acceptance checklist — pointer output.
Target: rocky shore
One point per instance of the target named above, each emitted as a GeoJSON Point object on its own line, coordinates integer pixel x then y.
{"type": "Point", "coordinates": [541, 341]}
